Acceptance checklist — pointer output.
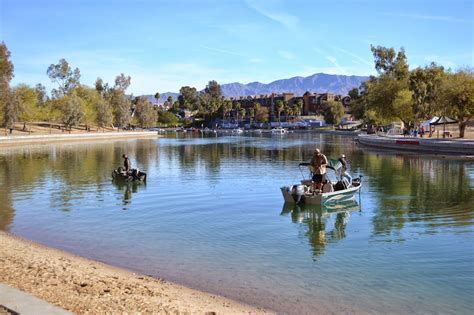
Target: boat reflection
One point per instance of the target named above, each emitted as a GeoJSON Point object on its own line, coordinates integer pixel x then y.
{"type": "Point", "coordinates": [322, 224]}
{"type": "Point", "coordinates": [128, 188]}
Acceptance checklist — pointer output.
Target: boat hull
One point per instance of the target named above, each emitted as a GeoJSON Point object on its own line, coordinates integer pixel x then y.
{"type": "Point", "coordinates": [318, 199]}
{"type": "Point", "coordinates": [120, 176]}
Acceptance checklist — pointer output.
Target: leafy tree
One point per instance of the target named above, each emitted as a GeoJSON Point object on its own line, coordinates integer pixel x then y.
{"type": "Point", "coordinates": [42, 96]}
{"type": "Point", "coordinates": [71, 111]}
{"type": "Point", "coordinates": [167, 118]}
{"type": "Point", "coordinates": [358, 105]}
{"type": "Point", "coordinates": [424, 84]}
{"type": "Point", "coordinates": [7, 103]}
{"type": "Point", "coordinates": [299, 106]}
{"type": "Point", "coordinates": [89, 98]}
{"type": "Point", "coordinates": [213, 89]}
{"type": "Point", "coordinates": [390, 63]}
{"type": "Point", "coordinates": [456, 95]}
{"type": "Point", "coordinates": [332, 111]}
{"type": "Point", "coordinates": [104, 113]}
{"type": "Point", "coordinates": [101, 88]}
{"type": "Point", "coordinates": [11, 109]}
{"type": "Point", "coordinates": [121, 107]}
{"type": "Point", "coordinates": [188, 97]}
{"type": "Point", "coordinates": [28, 101]}
{"type": "Point", "coordinates": [145, 112]}
{"type": "Point", "coordinates": [226, 107]}
{"type": "Point", "coordinates": [169, 102]}
{"type": "Point", "coordinates": [62, 74]}
{"type": "Point", "coordinates": [122, 82]}
{"type": "Point", "coordinates": [262, 114]}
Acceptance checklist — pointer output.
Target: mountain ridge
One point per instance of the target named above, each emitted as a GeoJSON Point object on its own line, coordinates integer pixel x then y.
{"type": "Point", "coordinates": [318, 82]}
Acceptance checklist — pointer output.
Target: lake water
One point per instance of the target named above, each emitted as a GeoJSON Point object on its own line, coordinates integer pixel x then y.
{"type": "Point", "coordinates": [211, 216]}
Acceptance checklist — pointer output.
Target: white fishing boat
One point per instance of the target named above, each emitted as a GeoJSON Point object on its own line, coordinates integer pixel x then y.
{"type": "Point", "coordinates": [279, 130]}
{"type": "Point", "coordinates": [345, 188]}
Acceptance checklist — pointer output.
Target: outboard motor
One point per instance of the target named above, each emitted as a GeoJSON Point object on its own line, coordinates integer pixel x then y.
{"type": "Point", "coordinates": [297, 191]}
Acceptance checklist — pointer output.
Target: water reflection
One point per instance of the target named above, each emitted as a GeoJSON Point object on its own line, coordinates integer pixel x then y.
{"type": "Point", "coordinates": [418, 190]}
{"type": "Point", "coordinates": [323, 224]}
{"type": "Point", "coordinates": [128, 188]}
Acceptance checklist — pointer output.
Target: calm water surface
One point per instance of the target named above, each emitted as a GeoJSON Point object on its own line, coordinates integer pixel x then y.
{"type": "Point", "coordinates": [211, 217]}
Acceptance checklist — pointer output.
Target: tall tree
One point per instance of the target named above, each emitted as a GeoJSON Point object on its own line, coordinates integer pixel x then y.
{"type": "Point", "coordinates": [42, 96]}
{"type": "Point", "coordinates": [213, 89]}
{"type": "Point", "coordinates": [145, 112]}
{"type": "Point", "coordinates": [188, 97]}
{"type": "Point", "coordinates": [66, 78]}
{"type": "Point", "coordinates": [456, 95]}
{"type": "Point", "coordinates": [104, 116]}
{"type": "Point", "coordinates": [7, 103]}
{"type": "Point", "coordinates": [157, 97]}
{"type": "Point", "coordinates": [122, 82]}
{"type": "Point", "coordinates": [28, 104]}
{"type": "Point", "coordinates": [71, 111]}
{"type": "Point", "coordinates": [333, 111]}
{"type": "Point", "coordinates": [424, 84]}
{"type": "Point", "coordinates": [279, 108]}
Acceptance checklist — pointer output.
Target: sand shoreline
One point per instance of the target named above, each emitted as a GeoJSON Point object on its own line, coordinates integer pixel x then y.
{"type": "Point", "coordinates": [83, 286]}
{"type": "Point", "coordinates": [74, 137]}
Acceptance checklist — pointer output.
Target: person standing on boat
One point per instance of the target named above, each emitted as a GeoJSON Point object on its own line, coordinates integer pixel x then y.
{"type": "Point", "coordinates": [126, 163]}
{"type": "Point", "coordinates": [344, 168]}
{"type": "Point", "coordinates": [318, 166]}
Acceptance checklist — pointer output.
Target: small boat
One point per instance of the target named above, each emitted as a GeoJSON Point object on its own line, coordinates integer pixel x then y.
{"type": "Point", "coordinates": [345, 188]}
{"type": "Point", "coordinates": [279, 130]}
{"type": "Point", "coordinates": [133, 176]}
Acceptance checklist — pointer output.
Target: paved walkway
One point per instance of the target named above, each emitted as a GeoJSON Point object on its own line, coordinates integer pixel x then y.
{"type": "Point", "coordinates": [26, 304]}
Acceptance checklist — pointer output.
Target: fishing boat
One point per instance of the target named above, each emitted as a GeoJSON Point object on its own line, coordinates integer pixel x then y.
{"type": "Point", "coordinates": [345, 188]}
{"type": "Point", "coordinates": [134, 175]}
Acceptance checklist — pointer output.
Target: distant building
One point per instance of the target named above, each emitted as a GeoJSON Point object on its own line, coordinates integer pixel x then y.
{"type": "Point", "coordinates": [312, 102]}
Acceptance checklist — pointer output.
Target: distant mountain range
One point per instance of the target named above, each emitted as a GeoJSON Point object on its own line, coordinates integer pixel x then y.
{"type": "Point", "coordinates": [319, 82]}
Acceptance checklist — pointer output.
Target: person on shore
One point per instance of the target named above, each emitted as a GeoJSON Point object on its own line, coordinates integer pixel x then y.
{"type": "Point", "coordinates": [318, 168]}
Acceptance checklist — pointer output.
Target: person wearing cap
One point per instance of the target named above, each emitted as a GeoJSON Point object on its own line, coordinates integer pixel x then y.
{"type": "Point", "coordinates": [318, 165]}
{"type": "Point", "coordinates": [344, 173]}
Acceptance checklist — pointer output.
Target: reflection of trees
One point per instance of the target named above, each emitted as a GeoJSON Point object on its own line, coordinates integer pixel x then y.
{"type": "Point", "coordinates": [411, 188]}
{"type": "Point", "coordinates": [313, 221]}
{"type": "Point", "coordinates": [128, 188]}
{"type": "Point", "coordinates": [250, 150]}
{"type": "Point", "coordinates": [71, 170]}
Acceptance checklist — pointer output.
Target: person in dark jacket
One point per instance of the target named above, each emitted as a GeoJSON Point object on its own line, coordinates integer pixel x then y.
{"type": "Point", "coordinates": [126, 163]}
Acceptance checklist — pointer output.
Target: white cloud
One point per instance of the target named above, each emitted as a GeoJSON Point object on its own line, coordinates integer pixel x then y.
{"type": "Point", "coordinates": [430, 17]}
{"type": "Point", "coordinates": [364, 61]}
{"type": "Point", "coordinates": [287, 20]}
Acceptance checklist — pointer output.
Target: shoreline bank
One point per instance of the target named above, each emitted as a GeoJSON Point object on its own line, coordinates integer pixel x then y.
{"type": "Point", "coordinates": [82, 286]}
{"type": "Point", "coordinates": [55, 138]}
{"type": "Point", "coordinates": [456, 147]}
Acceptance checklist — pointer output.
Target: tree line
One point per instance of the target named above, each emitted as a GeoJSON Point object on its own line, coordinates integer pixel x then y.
{"type": "Point", "coordinates": [397, 93]}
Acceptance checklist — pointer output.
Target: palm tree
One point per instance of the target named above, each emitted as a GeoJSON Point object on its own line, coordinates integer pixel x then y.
{"type": "Point", "coordinates": [279, 108]}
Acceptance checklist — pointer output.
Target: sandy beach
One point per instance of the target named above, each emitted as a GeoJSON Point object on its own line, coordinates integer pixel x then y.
{"type": "Point", "coordinates": [85, 286]}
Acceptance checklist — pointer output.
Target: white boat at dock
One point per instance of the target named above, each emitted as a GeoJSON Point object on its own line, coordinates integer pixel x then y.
{"type": "Point", "coordinates": [279, 130]}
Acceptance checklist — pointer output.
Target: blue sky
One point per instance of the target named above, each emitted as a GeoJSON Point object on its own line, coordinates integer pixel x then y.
{"type": "Point", "coordinates": [166, 44]}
